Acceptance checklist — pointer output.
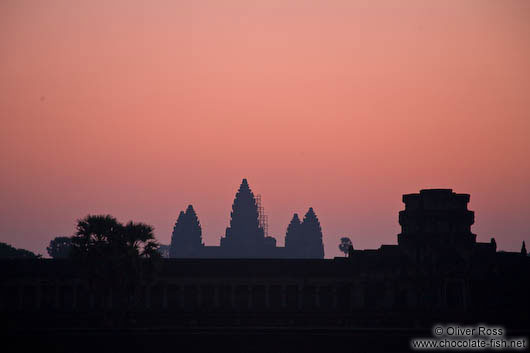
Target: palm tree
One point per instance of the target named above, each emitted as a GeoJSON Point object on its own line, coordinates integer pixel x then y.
{"type": "Point", "coordinates": [104, 236]}
{"type": "Point", "coordinates": [116, 258]}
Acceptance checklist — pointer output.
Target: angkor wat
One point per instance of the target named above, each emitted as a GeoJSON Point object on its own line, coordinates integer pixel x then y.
{"type": "Point", "coordinates": [373, 300]}
{"type": "Point", "coordinates": [245, 237]}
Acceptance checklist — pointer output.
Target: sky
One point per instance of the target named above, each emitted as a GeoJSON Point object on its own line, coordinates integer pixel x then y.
{"type": "Point", "coordinates": [139, 108]}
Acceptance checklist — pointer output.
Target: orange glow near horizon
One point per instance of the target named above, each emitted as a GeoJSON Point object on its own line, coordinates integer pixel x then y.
{"type": "Point", "coordinates": [139, 108]}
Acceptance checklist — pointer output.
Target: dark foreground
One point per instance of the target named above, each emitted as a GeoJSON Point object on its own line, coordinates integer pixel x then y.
{"type": "Point", "coordinates": [231, 339]}
{"type": "Point", "coordinates": [214, 340]}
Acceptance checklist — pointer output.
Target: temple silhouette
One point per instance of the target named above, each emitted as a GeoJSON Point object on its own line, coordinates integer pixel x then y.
{"type": "Point", "coordinates": [245, 237]}
{"type": "Point", "coordinates": [372, 300]}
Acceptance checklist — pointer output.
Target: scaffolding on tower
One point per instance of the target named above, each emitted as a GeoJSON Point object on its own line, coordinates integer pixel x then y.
{"type": "Point", "coordinates": [263, 219]}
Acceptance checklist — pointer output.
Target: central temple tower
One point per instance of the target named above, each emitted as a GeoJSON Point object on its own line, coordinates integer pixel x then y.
{"type": "Point", "coordinates": [244, 237]}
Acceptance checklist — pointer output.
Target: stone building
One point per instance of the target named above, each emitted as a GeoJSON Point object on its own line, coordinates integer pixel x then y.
{"type": "Point", "coordinates": [186, 239]}
{"type": "Point", "coordinates": [437, 272]}
{"type": "Point", "coordinates": [245, 237]}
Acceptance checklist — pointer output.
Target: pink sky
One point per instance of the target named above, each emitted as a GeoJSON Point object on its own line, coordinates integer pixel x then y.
{"type": "Point", "coordinates": [138, 108]}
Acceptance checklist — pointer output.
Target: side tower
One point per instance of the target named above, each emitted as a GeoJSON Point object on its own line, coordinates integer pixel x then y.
{"type": "Point", "coordinates": [311, 236]}
{"type": "Point", "coordinates": [304, 240]}
{"type": "Point", "coordinates": [436, 224]}
{"type": "Point", "coordinates": [292, 236]}
{"type": "Point", "coordinates": [186, 240]}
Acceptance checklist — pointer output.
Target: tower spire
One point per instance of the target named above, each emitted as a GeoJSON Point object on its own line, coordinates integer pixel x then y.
{"type": "Point", "coordinates": [244, 232]}
{"type": "Point", "coordinates": [186, 239]}
{"type": "Point", "coordinates": [312, 236]}
{"type": "Point", "coordinates": [292, 236]}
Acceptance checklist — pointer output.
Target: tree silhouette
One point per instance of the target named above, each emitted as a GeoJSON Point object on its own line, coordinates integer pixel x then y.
{"type": "Point", "coordinates": [60, 247]}
{"type": "Point", "coordinates": [163, 249]}
{"type": "Point", "coordinates": [344, 245]}
{"type": "Point", "coordinates": [115, 257]}
{"type": "Point", "coordinates": [523, 249]}
{"type": "Point", "coordinates": [104, 236]}
{"type": "Point", "coordinates": [9, 252]}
